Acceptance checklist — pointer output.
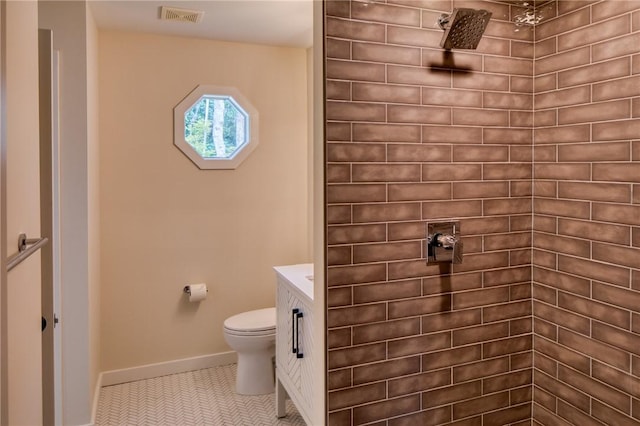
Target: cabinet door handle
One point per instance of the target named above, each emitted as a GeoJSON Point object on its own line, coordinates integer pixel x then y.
{"type": "Point", "coordinates": [299, 353]}
{"type": "Point", "coordinates": [294, 334]}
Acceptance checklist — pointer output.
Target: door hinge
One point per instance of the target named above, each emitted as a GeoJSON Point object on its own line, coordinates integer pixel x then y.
{"type": "Point", "coordinates": [56, 320]}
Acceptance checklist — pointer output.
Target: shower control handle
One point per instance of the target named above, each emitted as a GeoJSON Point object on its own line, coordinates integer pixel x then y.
{"type": "Point", "coordinates": [443, 243]}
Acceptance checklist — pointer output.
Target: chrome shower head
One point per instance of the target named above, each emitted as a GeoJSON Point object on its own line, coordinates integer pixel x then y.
{"type": "Point", "coordinates": [463, 28]}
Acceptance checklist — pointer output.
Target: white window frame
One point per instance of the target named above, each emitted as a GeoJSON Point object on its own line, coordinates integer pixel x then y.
{"type": "Point", "coordinates": [215, 163]}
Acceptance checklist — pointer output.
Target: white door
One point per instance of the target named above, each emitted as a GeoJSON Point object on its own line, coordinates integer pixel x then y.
{"type": "Point", "coordinates": [22, 214]}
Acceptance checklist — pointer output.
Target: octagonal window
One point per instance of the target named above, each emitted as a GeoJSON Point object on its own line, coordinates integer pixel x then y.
{"type": "Point", "coordinates": [216, 127]}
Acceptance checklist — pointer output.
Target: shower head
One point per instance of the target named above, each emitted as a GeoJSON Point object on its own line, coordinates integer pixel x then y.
{"type": "Point", "coordinates": [463, 28]}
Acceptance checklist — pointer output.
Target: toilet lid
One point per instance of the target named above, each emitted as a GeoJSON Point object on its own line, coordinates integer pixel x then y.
{"type": "Point", "coordinates": [258, 320]}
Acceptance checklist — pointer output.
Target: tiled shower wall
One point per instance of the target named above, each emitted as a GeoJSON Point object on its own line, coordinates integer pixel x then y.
{"type": "Point", "coordinates": [586, 274]}
{"type": "Point", "coordinates": [416, 134]}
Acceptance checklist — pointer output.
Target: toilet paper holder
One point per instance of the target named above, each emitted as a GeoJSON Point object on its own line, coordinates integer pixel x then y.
{"type": "Point", "coordinates": [187, 289]}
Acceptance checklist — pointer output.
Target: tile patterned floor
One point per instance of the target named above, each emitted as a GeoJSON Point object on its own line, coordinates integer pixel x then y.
{"type": "Point", "coordinates": [202, 397]}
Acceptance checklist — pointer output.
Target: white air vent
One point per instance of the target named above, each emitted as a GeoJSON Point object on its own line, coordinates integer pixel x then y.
{"type": "Point", "coordinates": [181, 15]}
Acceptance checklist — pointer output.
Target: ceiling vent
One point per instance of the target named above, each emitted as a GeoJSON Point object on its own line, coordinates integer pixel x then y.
{"type": "Point", "coordinates": [180, 15]}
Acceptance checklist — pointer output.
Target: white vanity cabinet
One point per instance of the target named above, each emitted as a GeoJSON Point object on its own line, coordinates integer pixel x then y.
{"type": "Point", "coordinates": [294, 339]}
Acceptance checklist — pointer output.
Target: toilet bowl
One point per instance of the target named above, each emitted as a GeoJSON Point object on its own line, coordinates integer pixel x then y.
{"type": "Point", "coordinates": [252, 335]}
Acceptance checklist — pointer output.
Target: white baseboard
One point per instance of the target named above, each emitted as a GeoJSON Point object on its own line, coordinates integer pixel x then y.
{"type": "Point", "coordinates": [114, 377]}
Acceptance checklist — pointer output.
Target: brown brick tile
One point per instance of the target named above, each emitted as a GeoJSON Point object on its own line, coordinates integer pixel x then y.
{"type": "Point", "coordinates": [515, 66]}
{"type": "Point", "coordinates": [354, 30]}
{"type": "Point", "coordinates": [338, 317]}
{"type": "Point", "coordinates": [338, 131]}
{"type": "Point", "coordinates": [480, 333]}
{"type": "Point", "coordinates": [418, 153]}
{"type": "Point", "coordinates": [617, 89]}
{"type": "Point", "coordinates": [507, 136]}
{"type": "Point", "coordinates": [617, 172]}
{"type": "Point", "coordinates": [608, 273]}
{"type": "Point", "coordinates": [386, 370]}
{"type": "Point", "coordinates": [545, 83]}
{"type": "Point", "coordinates": [356, 193]}
{"type": "Point", "coordinates": [507, 381]}
{"type": "Point", "coordinates": [510, 206]}
{"type": "Point", "coordinates": [385, 133]}
{"type": "Point", "coordinates": [562, 171]}
{"type": "Point", "coordinates": [356, 234]}
{"type": "Point", "coordinates": [338, 8]}
{"type": "Point", "coordinates": [450, 134]}
{"type": "Point", "coordinates": [567, 319]}
{"type": "Point", "coordinates": [418, 114]}
{"type": "Point", "coordinates": [451, 320]}
{"type": "Point", "coordinates": [338, 49]}
{"type": "Point", "coordinates": [595, 33]}
{"type": "Point", "coordinates": [480, 189]}
{"type": "Point", "coordinates": [386, 291]}
{"type": "Point", "coordinates": [368, 333]}
{"type": "Point", "coordinates": [574, 209]}
{"type": "Point", "coordinates": [565, 23]}
{"type": "Point", "coordinates": [509, 415]}
{"type": "Point", "coordinates": [338, 173]}
{"type": "Point", "coordinates": [615, 337]}
{"type": "Point", "coordinates": [624, 298]}
{"type": "Point", "coordinates": [506, 171]}
{"type": "Point", "coordinates": [372, 52]}
{"type": "Point", "coordinates": [594, 349]}
{"type": "Point", "coordinates": [485, 225]}
{"type": "Point", "coordinates": [615, 48]}
{"type": "Point", "coordinates": [595, 389]}
{"type": "Point", "coordinates": [507, 276]}
{"type": "Point", "coordinates": [481, 81]}
{"type": "Point", "coordinates": [406, 231]}
{"type": "Point", "coordinates": [544, 259]}
{"type": "Point", "coordinates": [338, 90]}
{"type": "Point", "coordinates": [356, 274]}
{"type": "Point", "coordinates": [608, 415]}
{"type": "Point", "coordinates": [521, 118]}
{"type": "Point", "coordinates": [506, 311]}
{"type": "Point", "coordinates": [386, 212]}
{"type": "Point", "coordinates": [545, 364]}
{"type": "Point", "coordinates": [561, 391]}
{"type": "Point", "coordinates": [451, 394]}
{"type": "Point", "coordinates": [476, 262]}
{"type": "Point", "coordinates": [413, 269]}
{"type": "Point", "coordinates": [562, 61]}
{"type": "Point", "coordinates": [339, 379]}
{"type": "Point", "coordinates": [340, 358]}
{"type": "Point", "coordinates": [545, 329]}
{"type": "Point", "coordinates": [545, 47]}
{"type": "Point", "coordinates": [419, 382]}
{"type": "Point", "coordinates": [594, 231]}
{"type": "Point", "coordinates": [616, 130]}
{"type": "Point", "coordinates": [418, 345]}
{"type": "Point", "coordinates": [354, 111]}
{"type": "Point", "coordinates": [385, 409]}
{"type": "Point", "coordinates": [447, 172]}
{"type": "Point", "coordinates": [353, 396]}
{"type": "Point", "coordinates": [523, 222]}
{"type": "Point", "coordinates": [542, 188]}
{"type": "Point", "coordinates": [387, 14]}
{"type": "Point", "coordinates": [340, 296]}
{"type": "Point", "coordinates": [506, 346]}
{"type": "Point", "coordinates": [604, 11]}
{"type": "Point", "coordinates": [521, 360]}
{"type": "Point", "coordinates": [616, 378]}
{"type": "Point", "coordinates": [519, 292]}
{"type": "Point", "coordinates": [461, 62]}
{"type": "Point", "coordinates": [417, 75]}
{"type": "Point", "coordinates": [566, 134]}
{"type": "Point", "coordinates": [575, 416]}
{"type": "Point", "coordinates": [592, 309]}
{"type": "Point", "coordinates": [385, 172]}
{"type": "Point", "coordinates": [443, 209]}
{"type": "Point", "coordinates": [413, 36]}
{"type": "Point", "coordinates": [432, 417]}
{"type": "Point", "coordinates": [480, 154]}
{"type": "Point", "coordinates": [523, 85]}
{"type": "Point", "coordinates": [386, 93]}
{"type": "Point", "coordinates": [358, 71]}
{"type": "Point", "coordinates": [560, 353]}
{"type": "Point", "coordinates": [338, 256]}
{"type": "Point", "coordinates": [507, 241]}
{"type": "Point", "coordinates": [480, 117]}
{"type": "Point", "coordinates": [339, 214]}
{"type": "Point", "coordinates": [419, 191]}
{"type": "Point", "coordinates": [616, 213]}
{"type": "Point", "coordinates": [480, 405]}
{"type": "Point", "coordinates": [339, 338]}
{"type": "Point", "coordinates": [616, 254]}
{"type": "Point", "coordinates": [615, 68]}
{"type": "Point", "coordinates": [480, 369]}
{"type": "Point", "coordinates": [613, 110]}
{"type": "Point", "coordinates": [564, 245]}
{"type": "Point", "coordinates": [451, 357]}
{"type": "Point", "coordinates": [355, 152]}
{"type": "Point", "coordinates": [545, 223]}
{"type": "Point", "coordinates": [452, 97]}
{"type": "Point", "coordinates": [421, 306]}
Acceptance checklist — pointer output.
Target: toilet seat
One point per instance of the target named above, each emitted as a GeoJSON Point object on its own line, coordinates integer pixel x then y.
{"type": "Point", "coordinates": [252, 323]}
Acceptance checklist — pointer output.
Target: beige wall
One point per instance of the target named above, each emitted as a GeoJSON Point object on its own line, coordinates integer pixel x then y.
{"type": "Point", "coordinates": [23, 206]}
{"type": "Point", "coordinates": [165, 223]}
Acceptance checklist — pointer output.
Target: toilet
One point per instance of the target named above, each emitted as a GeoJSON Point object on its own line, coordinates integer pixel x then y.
{"type": "Point", "coordinates": [252, 335]}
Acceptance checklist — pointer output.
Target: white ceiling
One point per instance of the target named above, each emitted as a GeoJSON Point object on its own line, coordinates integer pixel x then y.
{"type": "Point", "coordinates": [272, 22]}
